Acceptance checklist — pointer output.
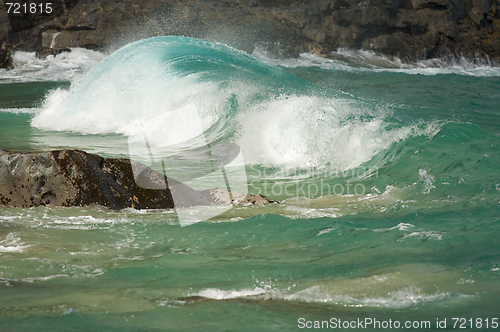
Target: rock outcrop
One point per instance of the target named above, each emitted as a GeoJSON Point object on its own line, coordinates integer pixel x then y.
{"type": "Point", "coordinates": [77, 178]}
{"type": "Point", "coordinates": [222, 197]}
{"type": "Point", "coordinates": [409, 29]}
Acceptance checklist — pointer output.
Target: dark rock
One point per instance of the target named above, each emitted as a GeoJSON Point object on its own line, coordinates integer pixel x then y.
{"type": "Point", "coordinates": [46, 51]}
{"type": "Point", "coordinates": [222, 197]}
{"type": "Point", "coordinates": [77, 178]}
{"type": "Point", "coordinates": [73, 178]}
{"type": "Point", "coordinates": [5, 55]}
{"type": "Point", "coordinates": [409, 29]}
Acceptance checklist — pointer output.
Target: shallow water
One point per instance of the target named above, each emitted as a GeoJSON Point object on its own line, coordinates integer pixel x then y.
{"type": "Point", "coordinates": [387, 175]}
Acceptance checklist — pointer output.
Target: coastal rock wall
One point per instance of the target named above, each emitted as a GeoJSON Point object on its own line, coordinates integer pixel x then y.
{"type": "Point", "coordinates": [409, 29]}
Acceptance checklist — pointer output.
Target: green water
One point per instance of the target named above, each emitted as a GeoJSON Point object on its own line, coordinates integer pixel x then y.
{"type": "Point", "coordinates": [419, 243]}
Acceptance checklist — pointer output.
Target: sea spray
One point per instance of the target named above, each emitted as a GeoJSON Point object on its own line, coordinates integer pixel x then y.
{"type": "Point", "coordinates": [277, 118]}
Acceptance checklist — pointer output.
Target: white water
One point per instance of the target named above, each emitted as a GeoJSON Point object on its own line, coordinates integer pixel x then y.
{"type": "Point", "coordinates": [292, 131]}
{"type": "Point", "coordinates": [303, 131]}
{"type": "Point", "coordinates": [406, 297]}
{"type": "Point", "coordinates": [68, 66]}
{"type": "Point", "coordinates": [394, 287]}
{"type": "Point", "coordinates": [368, 61]}
{"type": "Point", "coordinates": [65, 66]}
{"type": "Point", "coordinates": [285, 130]}
{"type": "Point", "coordinates": [12, 243]}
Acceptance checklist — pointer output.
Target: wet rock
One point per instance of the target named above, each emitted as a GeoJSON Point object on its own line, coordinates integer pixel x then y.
{"type": "Point", "coordinates": [222, 197]}
{"type": "Point", "coordinates": [73, 178]}
{"type": "Point", "coordinates": [77, 178]}
{"type": "Point", "coordinates": [5, 55]}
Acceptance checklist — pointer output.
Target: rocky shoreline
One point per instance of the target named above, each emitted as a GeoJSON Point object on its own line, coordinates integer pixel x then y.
{"type": "Point", "coordinates": [408, 29]}
{"type": "Point", "coordinates": [76, 178]}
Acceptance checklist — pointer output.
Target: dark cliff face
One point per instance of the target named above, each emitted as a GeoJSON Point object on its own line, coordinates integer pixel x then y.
{"type": "Point", "coordinates": [404, 28]}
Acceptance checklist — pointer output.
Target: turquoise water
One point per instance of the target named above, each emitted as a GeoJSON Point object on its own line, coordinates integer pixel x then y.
{"type": "Point", "coordinates": [387, 176]}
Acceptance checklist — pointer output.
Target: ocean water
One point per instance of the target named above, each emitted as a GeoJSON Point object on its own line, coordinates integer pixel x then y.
{"type": "Point", "coordinates": [387, 175]}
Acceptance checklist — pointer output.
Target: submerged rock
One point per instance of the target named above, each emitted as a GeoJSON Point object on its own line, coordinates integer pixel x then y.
{"type": "Point", "coordinates": [222, 197]}
{"type": "Point", "coordinates": [77, 178]}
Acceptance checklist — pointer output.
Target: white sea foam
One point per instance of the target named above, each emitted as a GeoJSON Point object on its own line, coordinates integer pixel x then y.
{"type": "Point", "coordinates": [426, 180]}
{"type": "Point", "coordinates": [427, 235]}
{"type": "Point", "coordinates": [115, 105]}
{"type": "Point", "coordinates": [303, 131]}
{"type": "Point", "coordinates": [291, 131]}
{"type": "Point", "coordinates": [217, 294]}
{"type": "Point", "coordinates": [413, 232]}
{"type": "Point", "coordinates": [402, 298]}
{"type": "Point", "coordinates": [12, 243]}
{"type": "Point", "coordinates": [65, 66]}
{"type": "Point", "coordinates": [45, 278]}
{"type": "Point", "coordinates": [326, 231]}
{"type": "Point", "coordinates": [401, 227]}
{"type": "Point", "coordinates": [395, 299]}
{"type": "Point", "coordinates": [20, 110]}
{"type": "Point", "coordinates": [395, 287]}
{"type": "Point", "coordinates": [363, 60]}
{"type": "Point", "coordinates": [79, 222]}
